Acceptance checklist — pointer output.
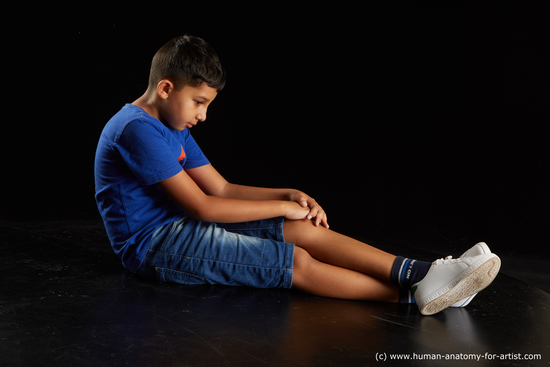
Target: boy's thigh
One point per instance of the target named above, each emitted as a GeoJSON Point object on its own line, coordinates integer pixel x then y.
{"type": "Point", "coordinates": [194, 252]}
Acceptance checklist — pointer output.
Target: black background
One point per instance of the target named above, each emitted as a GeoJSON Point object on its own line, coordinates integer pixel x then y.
{"type": "Point", "coordinates": [417, 124]}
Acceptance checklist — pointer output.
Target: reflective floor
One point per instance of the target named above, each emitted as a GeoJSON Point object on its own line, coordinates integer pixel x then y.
{"type": "Point", "coordinates": [66, 301]}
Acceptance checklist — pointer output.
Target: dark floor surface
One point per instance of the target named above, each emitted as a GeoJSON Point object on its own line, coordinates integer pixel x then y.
{"type": "Point", "coordinates": [66, 301]}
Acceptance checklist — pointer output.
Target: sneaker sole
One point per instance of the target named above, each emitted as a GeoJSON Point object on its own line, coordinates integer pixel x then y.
{"type": "Point", "coordinates": [471, 284]}
{"type": "Point", "coordinates": [465, 302]}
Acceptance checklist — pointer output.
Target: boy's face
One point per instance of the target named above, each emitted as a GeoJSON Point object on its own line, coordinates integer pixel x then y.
{"type": "Point", "coordinates": [185, 108]}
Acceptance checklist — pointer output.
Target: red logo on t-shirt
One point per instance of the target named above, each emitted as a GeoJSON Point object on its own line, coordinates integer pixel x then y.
{"type": "Point", "coordinates": [182, 155]}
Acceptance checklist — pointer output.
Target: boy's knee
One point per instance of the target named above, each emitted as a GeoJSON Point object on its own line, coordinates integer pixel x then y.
{"type": "Point", "coordinates": [298, 231]}
{"type": "Point", "coordinates": [302, 261]}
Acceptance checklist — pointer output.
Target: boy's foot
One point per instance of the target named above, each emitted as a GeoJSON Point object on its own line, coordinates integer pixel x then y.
{"type": "Point", "coordinates": [451, 280]}
{"type": "Point", "coordinates": [478, 249]}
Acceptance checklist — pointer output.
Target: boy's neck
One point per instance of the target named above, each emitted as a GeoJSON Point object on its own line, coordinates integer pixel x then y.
{"type": "Point", "coordinates": [147, 103]}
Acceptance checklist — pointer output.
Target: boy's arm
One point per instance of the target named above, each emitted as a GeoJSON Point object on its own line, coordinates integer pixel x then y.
{"type": "Point", "coordinates": [213, 183]}
{"type": "Point", "coordinates": [183, 190]}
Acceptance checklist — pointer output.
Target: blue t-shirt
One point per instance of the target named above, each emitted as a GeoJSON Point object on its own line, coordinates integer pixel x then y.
{"type": "Point", "coordinates": [134, 153]}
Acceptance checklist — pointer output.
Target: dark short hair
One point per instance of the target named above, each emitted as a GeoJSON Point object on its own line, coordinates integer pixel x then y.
{"type": "Point", "coordinates": [187, 60]}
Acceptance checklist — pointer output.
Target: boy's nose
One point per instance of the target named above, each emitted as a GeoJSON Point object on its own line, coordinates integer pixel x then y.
{"type": "Point", "coordinates": [201, 116]}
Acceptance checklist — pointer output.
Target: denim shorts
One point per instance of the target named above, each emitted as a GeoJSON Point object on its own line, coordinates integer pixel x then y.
{"type": "Point", "coordinates": [190, 251]}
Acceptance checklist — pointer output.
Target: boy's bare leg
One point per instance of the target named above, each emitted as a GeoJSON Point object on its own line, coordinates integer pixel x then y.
{"type": "Point", "coordinates": [315, 277]}
{"type": "Point", "coordinates": [336, 249]}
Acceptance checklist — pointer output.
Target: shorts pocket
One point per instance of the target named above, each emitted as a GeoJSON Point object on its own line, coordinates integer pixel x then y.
{"type": "Point", "coordinates": [174, 276]}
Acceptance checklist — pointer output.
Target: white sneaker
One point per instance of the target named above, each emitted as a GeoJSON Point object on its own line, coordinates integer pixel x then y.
{"type": "Point", "coordinates": [451, 280]}
{"type": "Point", "coordinates": [478, 249]}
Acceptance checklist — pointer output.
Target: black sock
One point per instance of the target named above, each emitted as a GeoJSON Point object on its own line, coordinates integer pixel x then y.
{"type": "Point", "coordinates": [406, 272]}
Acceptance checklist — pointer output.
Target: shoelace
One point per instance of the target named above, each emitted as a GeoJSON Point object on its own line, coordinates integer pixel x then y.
{"type": "Point", "coordinates": [447, 260]}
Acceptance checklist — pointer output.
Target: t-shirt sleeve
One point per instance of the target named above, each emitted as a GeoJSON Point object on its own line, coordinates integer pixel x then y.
{"type": "Point", "coordinates": [194, 155]}
{"type": "Point", "coordinates": [151, 155]}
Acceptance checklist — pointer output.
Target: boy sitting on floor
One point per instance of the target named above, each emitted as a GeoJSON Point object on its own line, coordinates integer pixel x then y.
{"type": "Point", "coordinates": [171, 216]}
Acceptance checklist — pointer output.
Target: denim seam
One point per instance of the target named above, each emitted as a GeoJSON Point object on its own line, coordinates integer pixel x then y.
{"type": "Point", "coordinates": [222, 262]}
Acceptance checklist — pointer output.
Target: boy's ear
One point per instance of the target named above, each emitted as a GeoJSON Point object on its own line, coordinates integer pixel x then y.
{"type": "Point", "coordinates": [164, 87]}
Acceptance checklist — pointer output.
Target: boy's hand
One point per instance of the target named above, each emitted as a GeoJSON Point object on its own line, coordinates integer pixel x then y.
{"type": "Point", "coordinates": [295, 211]}
{"type": "Point", "coordinates": [316, 212]}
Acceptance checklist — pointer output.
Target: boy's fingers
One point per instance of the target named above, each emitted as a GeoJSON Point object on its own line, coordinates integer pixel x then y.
{"type": "Point", "coordinates": [316, 211]}
{"type": "Point", "coordinates": [320, 217]}
{"type": "Point", "coordinates": [325, 221]}
{"type": "Point", "coordinates": [322, 222]}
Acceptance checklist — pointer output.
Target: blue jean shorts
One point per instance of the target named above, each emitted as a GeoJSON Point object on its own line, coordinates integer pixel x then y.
{"type": "Point", "coordinates": [190, 251]}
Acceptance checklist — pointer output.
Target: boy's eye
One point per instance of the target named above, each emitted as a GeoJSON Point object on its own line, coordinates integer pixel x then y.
{"type": "Point", "coordinates": [198, 102]}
